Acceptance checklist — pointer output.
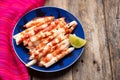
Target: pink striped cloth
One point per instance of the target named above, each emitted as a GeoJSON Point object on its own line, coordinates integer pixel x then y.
{"type": "Point", "coordinates": [11, 68]}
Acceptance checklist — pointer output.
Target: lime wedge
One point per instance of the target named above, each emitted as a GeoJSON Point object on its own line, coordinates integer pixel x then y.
{"type": "Point", "coordinates": [76, 41]}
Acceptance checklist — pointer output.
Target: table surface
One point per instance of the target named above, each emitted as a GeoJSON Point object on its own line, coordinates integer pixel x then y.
{"type": "Point", "coordinates": [101, 57]}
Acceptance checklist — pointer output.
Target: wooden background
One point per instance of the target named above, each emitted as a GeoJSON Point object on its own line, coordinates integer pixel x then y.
{"type": "Point", "coordinates": [101, 57]}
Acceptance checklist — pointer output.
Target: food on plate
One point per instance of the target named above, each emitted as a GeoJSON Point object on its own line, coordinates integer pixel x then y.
{"type": "Point", "coordinates": [31, 31]}
{"type": "Point", "coordinates": [38, 21]}
{"type": "Point", "coordinates": [76, 41]}
{"type": "Point", "coordinates": [55, 56]}
{"type": "Point", "coordinates": [47, 39]}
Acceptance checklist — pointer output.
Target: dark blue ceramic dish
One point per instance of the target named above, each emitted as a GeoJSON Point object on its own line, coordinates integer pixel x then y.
{"type": "Point", "coordinates": [67, 61]}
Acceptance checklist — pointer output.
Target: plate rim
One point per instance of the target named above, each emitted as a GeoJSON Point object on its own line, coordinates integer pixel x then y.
{"type": "Point", "coordinates": [46, 70]}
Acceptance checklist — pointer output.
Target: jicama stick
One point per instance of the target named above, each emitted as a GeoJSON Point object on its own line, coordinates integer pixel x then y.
{"type": "Point", "coordinates": [33, 30]}
{"type": "Point", "coordinates": [38, 21]}
{"type": "Point", "coordinates": [42, 34]}
{"type": "Point", "coordinates": [72, 27]}
{"type": "Point", "coordinates": [55, 41]}
{"type": "Point", "coordinates": [48, 49]}
{"type": "Point", "coordinates": [60, 46]}
{"type": "Point", "coordinates": [50, 45]}
{"type": "Point", "coordinates": [31, 62]}
{"type": "Point", "coordinates": [67, 29]}
{"type": "Point", "coordinates": [46, 39]}
{"type": "Point", "coordinates": [27, 33]}
{"type": "Point", "coordinates": [54, 57]}
{"type": "Point", "coordinates": [60, 23]}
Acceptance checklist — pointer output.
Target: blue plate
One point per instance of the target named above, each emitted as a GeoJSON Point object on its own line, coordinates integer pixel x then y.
{"type": "Point", "coordinates": [57, 13]}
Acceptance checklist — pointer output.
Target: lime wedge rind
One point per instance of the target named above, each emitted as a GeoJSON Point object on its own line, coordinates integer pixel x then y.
{"type": "Point", "coordinates": [76, 41]}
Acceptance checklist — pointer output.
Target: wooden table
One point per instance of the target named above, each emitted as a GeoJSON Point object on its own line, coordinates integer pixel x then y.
{"type": "Point", "coordinates": [101, 57]}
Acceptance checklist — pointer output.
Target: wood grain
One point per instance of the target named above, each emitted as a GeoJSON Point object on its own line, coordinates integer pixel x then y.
{"type": "Point", "coordinates": [62, 75]}
{"type": "Point", "coordinates": [94, 63]}
{"type": "Point", "coordinates": [101, 57]}
{"type": "Point", "coordinates": [57, 3]}
{"type": "Point", "coordinates": [112, 16]}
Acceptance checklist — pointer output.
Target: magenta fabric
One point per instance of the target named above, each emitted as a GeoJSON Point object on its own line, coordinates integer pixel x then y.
{"type": "Point", "coordinates": [11, 68]}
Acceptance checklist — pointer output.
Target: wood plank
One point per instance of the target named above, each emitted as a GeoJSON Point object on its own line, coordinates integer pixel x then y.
{"type": "Point", "coordinates": [94, 64]}
{"type": "Point", "coordinates": [57, 3]}
{"type": "Point", "coordinates": [66, 74]}
{"type": "Point", "coordinates": [61, 75]}
{"type": "Point", "coordinates": [112, 16]}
